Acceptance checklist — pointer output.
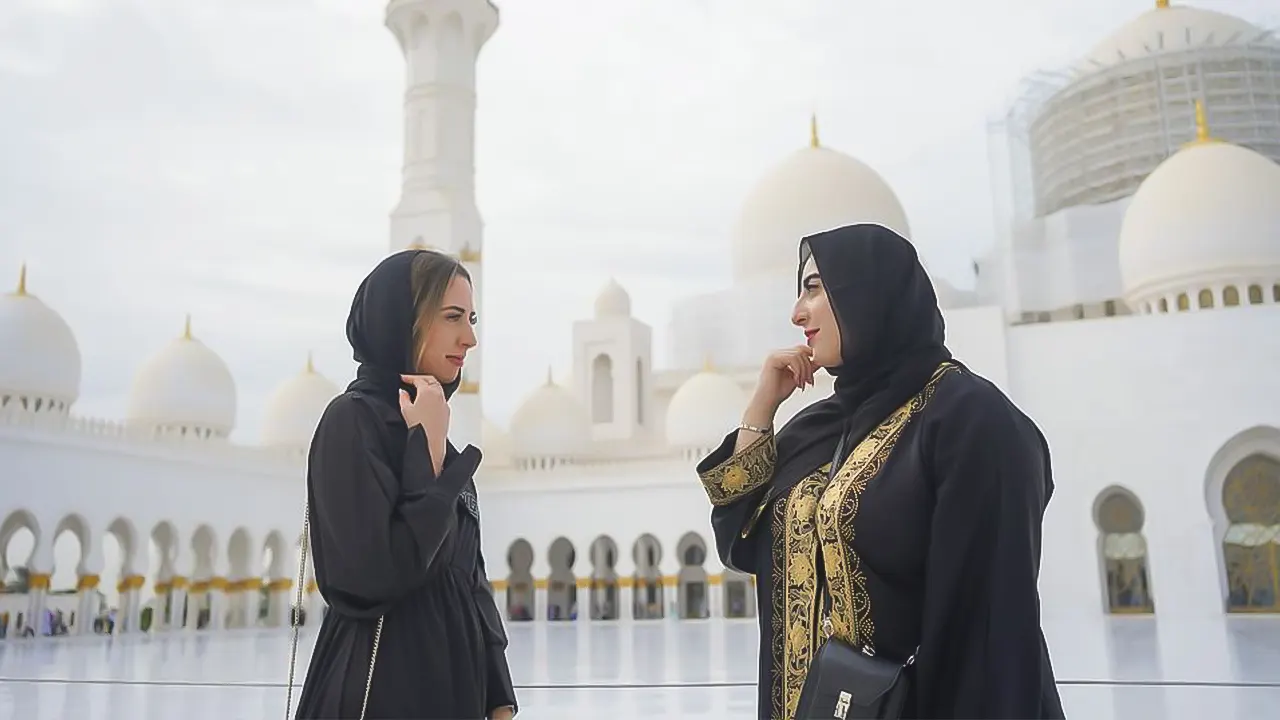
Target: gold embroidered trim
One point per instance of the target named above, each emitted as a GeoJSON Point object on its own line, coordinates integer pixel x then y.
{"type": "Point", "coordinates": [743, 473]}
{"type": "Point", "coordinates": [780, 621]}
{"type": "Point", "coordinates": [838, 510]}
{"type": "Point", "coordinates": [801, 587]}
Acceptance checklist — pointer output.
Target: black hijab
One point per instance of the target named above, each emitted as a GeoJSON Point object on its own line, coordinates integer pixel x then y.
{"type": "Point", "coordinates": [380, 330]}
{"type": "Point", "coordinates": [892, 337]}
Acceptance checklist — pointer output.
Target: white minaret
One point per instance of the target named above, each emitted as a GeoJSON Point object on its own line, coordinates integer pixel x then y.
{"type": "Point", "coordinates": [441, 40]}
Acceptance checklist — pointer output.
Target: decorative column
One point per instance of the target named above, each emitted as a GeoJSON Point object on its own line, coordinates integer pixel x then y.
{"type": "Point", "coordinates": [177, 603]}
{"type": "Point", "coordinates": [87, 605]}
{"type": "Point", "coordinates": [279, 599]}
{"type": "Point", "coordinates": [129, 616]}
{"type": "Point", "coordinates": [441, 41]}
{"type": "Point", "coordinates": [218, 603]}
{"type": "Point", "coordinates": [161, 606]}
{"type": "Point", "coordinates": [715, 595]}
{"type": "Point", "coordinates": [37, 599]}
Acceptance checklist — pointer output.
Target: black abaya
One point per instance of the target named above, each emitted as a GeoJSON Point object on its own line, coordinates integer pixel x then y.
{"type": "Point", "coordinates": [408, 547]}
{"type": "Point", "coordinates": [927, 541]}
{"type": "Point", "coordinates": [391, 540]}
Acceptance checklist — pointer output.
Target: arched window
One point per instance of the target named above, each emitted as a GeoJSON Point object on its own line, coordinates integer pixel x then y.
{"type": "Point", "coordinates": [1119, 518]}
{"type": "Point", "coordinates": [1206, 299]}
{"type": "Point", "coordinates": [1230, 296]}
{"type": "Point", "coordinates": [1251, 548]}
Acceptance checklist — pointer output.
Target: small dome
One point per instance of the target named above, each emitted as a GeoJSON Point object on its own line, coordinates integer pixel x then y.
{"type": "Point", "coordinates": [40, 367]}
{"type": "Point", "coordinates": [1165, 29]}
{"type": "Point", "coordinates": [184, 390]}
{"type": "Point", "coordinates": [703, 410]}
{"type": "Point", "coordinates": [812, 190]}
{"type": "Point", "coordinates": [613, 301]}
{"type": "Point", "coordinates": [1207, 216]}
{"type": "Point", "coordinates": [295, 407]}
{"type": "Point", "coordinates": [550, 423]}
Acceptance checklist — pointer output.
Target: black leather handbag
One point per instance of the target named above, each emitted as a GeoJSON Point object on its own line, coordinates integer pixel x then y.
{"type": "Point", "coordinates": [847, 683]}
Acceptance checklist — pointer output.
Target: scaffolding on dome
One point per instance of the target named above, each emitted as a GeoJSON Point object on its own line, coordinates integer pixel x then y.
{"type": "Point", "coordinates": [1082, 135]}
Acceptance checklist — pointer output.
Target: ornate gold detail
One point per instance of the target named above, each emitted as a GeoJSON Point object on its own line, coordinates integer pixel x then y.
{"type": "Point", "coordinates": [468, 255]}
{"type": "Point", "coordinates": [178, 582]}
{"type": "Point", "coordinates": [22, 281]}
{"type": "Point", "coordinates": [743, 473]}
{"type": "Point", "coordinates": [310, 369]}
{"type": "Point", "coordinates": [199, 587]}
{"type": "Point", "coordinates": [469, 387]}
{"type": "Point", "coordinates": [1202, 127]}
{"type": "Point", "coordinates": [801, 600]}
{"type": "Point", "coordinates": [312, 586]}
{"type": "Point", "coordinates": [131, 582]}
{"type": "Point", "coordinates": [851, 619]}
{"type": "Point", "coordinates": [38, 581]}
{"type": "Point", "coordinates": [1162, 4]}
{"type": "Point", "coordinates": [280, 584]}
{"type": "Point", "coordinates": [813, 131]}
{"type": "Point", "coordinates": [88, 582]}
{"type": "Point", "coordinates": [186, 328]}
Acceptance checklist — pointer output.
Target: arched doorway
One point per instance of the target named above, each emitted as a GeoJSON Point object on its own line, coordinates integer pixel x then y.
{"type": "Point", "coordinates": [562, 586]}
{"type": "Point", "coordinates": [521, 599]}
{"type": "Point", "coordinates": [604, 579]}
{"type": "Point", "coordinates": [647, 600]}
{"type": "Point", "coordinates": [691, 588]}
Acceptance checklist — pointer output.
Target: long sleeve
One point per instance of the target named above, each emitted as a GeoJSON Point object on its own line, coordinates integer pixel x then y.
{"type": "Point", "coordinates": [982, 652]}
{"type": "Point", "coordinates": [374, 535]}
{"type": "Point", "coordinates": [501, 690]}
{"type": "Point", "coordinates": [735, 484]}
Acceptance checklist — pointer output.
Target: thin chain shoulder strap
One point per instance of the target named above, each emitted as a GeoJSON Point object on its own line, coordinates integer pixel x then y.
{"type": "Point", "coordinates": [297, 620]}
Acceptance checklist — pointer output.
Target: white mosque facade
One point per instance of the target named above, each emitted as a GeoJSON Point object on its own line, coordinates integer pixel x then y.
{"type": "Point", "coordinates": [1132, 309]}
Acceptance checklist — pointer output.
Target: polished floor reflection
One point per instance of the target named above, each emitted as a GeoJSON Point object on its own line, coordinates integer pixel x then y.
{"type": "Point", "coordinates": [1120, 668]}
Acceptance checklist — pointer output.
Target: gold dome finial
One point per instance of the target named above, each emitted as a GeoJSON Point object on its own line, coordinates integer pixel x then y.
{"type": "Point", "coordinates": [1202, 127]}
{"type": "Point", "coordinates": [22, 281]}
{"type": "Point", "coordinates": [1162, 4]}
{"type": "Point", "coordinates": [186, 328]}
{"type": "Point", "coordinates": [549, 380]}
{"type": "Point", "coordinates": [813, 131]}
{"type": "Point", "coordinates": [707, 365]}
{"type": "Point", "coordinates": [1202, 123]}
{"type": "Point", "coordinates": [311, 365]}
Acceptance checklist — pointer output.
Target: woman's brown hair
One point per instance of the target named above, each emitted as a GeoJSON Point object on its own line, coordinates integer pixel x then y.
{"type": "Point", "coordinates": [431, 274]}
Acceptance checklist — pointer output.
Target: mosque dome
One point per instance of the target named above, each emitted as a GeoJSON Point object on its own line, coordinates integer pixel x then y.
{"type": "Point", "coordinates": [550, 424]}
{"type": "Point", "coordinates": [295, 407]}
{"type": "Point", "coordinates": [496, 443]}
{"type": "Point", "coordinates": [703, 409]}
{"type": "Point", "coordinates": [1168, 29]}
{"type": "Point", "coordinates": [40, 369]}
{"type": "Point", "coordinates": [1206, 218]}
{"type": "Point", "coordinates": [613, 301]}
{"type": "Point", "coordinates": [185, 390]}
{"type": "Point", "coordinates": [811, 190]}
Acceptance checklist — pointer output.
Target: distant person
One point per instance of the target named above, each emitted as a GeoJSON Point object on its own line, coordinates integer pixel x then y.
{"type": "Point", "coordinates": [412, 629]}
{"type": "Point", "coordinates": [904, 583]}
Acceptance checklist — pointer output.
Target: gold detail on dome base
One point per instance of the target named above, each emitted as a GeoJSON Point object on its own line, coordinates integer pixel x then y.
{"type": "Point", "coordinates": [469, 387]}
{"type": "Point", "coordinates": [468, 255]}
{"type": "Point", "coordinates": [22, 282]}
{"type": "Point", "coordinates": [186, 329]}
{"type": "Point", "coordinates": [813, 131]}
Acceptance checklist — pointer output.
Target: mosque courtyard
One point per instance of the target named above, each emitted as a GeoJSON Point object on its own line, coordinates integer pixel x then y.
{"type": "Point", "coordinates": [1122, 668]}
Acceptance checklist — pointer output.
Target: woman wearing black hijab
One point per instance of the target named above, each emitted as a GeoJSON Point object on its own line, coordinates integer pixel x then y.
{"type": "Point", "coordinates": [412, 629]}
{"type": "Point", "coordinates": [923, 549]}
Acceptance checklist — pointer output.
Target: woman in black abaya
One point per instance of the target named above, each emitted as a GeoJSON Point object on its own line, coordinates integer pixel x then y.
{"type": "Point", "coordinates": [924, 547]}
{"type": "Point", "coordinates": [412, 629]}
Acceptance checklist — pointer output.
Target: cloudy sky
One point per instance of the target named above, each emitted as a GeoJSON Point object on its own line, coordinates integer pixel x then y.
{"type": "Point", "coordinates": [238, 159]}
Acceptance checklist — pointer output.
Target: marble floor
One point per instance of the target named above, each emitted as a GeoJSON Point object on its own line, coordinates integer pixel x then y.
{"type": "Point", "coordinates": [1109, 669]}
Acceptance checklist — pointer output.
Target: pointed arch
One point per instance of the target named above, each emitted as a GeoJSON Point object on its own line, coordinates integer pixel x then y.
{"type": "Point", "coordinates": [1242, 494]}
{"type": "Point", "coordinates": [1122, 552]}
